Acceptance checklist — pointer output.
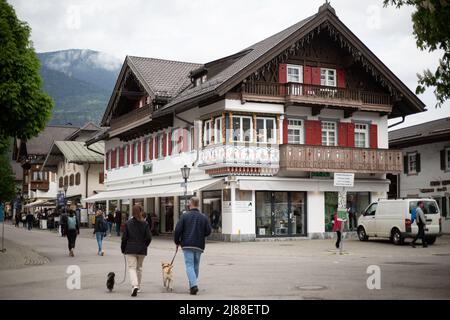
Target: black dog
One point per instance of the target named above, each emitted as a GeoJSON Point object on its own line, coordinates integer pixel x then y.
{"type": "Point", "coordinates": [110, 281]}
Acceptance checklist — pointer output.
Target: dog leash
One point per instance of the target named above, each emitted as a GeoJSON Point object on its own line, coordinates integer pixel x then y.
{"type": "Point", "coordinates": [171, 263]}
{"type": "Point", "coordinates": [125, 271]}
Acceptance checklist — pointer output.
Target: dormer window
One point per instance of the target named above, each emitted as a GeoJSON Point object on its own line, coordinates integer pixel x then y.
{"type": "Point", "coordinates": [199, 80]}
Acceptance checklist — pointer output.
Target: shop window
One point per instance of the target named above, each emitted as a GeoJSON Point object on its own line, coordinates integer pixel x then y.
{"type": "Point", "coordinates": [212, 207]}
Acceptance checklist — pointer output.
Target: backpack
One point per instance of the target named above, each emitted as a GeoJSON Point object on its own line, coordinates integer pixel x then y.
{"type": "Point", "coordinates": [413, 215]}
{"type": "Point", "coordinates": [71, 223]}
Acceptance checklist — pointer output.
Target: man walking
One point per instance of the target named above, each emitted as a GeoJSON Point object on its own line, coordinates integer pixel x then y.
{"type": "Point", "coordinates": [190, 232]}
{"type": "Point", "coordinates": [421, 223]}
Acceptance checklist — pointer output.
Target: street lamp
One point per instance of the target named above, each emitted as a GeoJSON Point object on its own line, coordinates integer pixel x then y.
{"type": "Point", "coordinates": [185, 174]}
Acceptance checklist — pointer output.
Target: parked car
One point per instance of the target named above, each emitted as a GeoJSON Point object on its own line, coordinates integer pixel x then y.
{"type": "Point", "coordinates": [392, 219]}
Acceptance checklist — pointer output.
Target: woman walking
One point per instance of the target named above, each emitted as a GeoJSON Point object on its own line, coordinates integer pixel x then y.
{"type": "Point", "coordinates": [100, 229]}
{"type": "Point", "coordinates": [135, 240]}
{"type": "Point", "coordinates": [73, 229]}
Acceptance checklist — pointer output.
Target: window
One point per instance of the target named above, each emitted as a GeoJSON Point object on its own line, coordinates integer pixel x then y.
{"type": "Point", "coordinates": [371, 210]}
{"type": "Point", "coordinates": [242, 129]}
{"type": "Point", "coordinates": [135, 150]}
{"type": "Point", "coordinates": [294, 73]}
{"type": "Point", "coordinates": [207, 132]}
{"type": "Point", "coordinates": [361, 135]}
{"type": "Point", "coordinates": [295, 131]}
{"type": "Point", "coordinates": [125, 157]}
{"type": "Point", "coordinates": [72, 179]}
{"type": "Point", "coordinates": [218, 130]}
{"type": "Point", "coordinates": [145, 150]}
{"type": "Point", "coordinates": [328, 77]}
{"type": "Point", "coordinates": [447, 153]}
{"type": "Point", "coordinates": [328, 133]}
{"type": "Point", "coordinates": [265, 130]}
{"type": "Point", "coordinates": [78, 179]}
{"type": "Point", "coordinates": [101, 177]}
{"type": "Point", "coordinates": [116, 160]}
{"type": "Point", "coordinates": [160, 146]}
{"type": "Point", "coordinates": [412, 163]}
{"type": "Point", "coordinates": [61, 182]}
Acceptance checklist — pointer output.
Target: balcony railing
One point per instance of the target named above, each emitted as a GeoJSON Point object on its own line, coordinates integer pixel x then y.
{"type": "Point", "coordinates": [338, 159]}
{"type": "Point", "coordinates": [245, 156]}
{"type": "Point", "coordinates": [314, 94]}
{"type": "Point", "coordinates": [141, 114]}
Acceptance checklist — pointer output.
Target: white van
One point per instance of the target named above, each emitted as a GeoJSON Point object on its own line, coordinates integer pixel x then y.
{"type": "Point", "coordinates": [392, 219]}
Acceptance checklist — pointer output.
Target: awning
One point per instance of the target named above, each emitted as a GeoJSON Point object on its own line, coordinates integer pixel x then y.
{"type": "Point", "coordinates": [40, 203]}
{"type": "Point", "coordinates": [267, 184]}
{"type": "Point", "coordinates": [167, 190]}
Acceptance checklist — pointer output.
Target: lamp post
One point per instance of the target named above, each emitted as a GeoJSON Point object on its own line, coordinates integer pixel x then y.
{"type": "Point", "coordinates": [185, 174]}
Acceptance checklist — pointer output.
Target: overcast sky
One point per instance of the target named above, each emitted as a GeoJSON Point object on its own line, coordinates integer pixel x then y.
{"type": "Point", "coordinates": [204, 30]}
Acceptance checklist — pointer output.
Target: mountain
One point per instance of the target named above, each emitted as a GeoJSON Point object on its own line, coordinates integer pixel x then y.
{"type": "Point", "coordinates": [80, 82]}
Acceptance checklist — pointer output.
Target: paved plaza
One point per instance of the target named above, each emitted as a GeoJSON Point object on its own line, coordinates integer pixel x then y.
{"type": "Point", "coordinates": [35, 264]}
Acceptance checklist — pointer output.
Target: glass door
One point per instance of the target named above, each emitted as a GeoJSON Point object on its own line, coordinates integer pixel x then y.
{"type": "Point", "coordinates": [281, 213]}
{"type": "Point", "coordinates": [297, 214]}
{"type": "Point", "coordinates": [263, 214]}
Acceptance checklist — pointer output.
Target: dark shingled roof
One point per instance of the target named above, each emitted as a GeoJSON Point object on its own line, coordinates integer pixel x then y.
{"type": "Point", "coordinates": [164, 77]}
{"type": "Point", "coordinates": [424, 131]}
{"type": "Point", "coordinates": [41, 144]}
{"type": "Point", "coordinates": [254, 53]}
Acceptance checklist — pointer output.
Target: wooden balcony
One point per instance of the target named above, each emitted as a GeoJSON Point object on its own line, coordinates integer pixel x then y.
{"type": "Point", "coordinates": [338, 159]}
{"type": "Point", "coordinates": [39, 185]}
{"type": "Point", "coordinates": [298, 93]}
{"type": "Point", "coordinates": [131, 120]}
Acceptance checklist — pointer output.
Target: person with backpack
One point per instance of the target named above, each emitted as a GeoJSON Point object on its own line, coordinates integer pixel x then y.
{"type": "Point", "coordinates": [421, 223]}
{"type": "Point", "coordinates": [72, 230]}
{"type": "Point", "coordinates": [100, 229]}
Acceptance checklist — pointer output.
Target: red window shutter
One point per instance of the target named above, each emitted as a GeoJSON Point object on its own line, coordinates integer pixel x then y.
{"type": "Point", "coordinates": [139, 151]}
{"type": "Point", "coordinates": [313, 132]}
{"type": "Point", "coordinates": [282, 77]}
{"type": "Point", "coordinates": [120, 157]}
{"type": "Point", "coordinates": [185, 140]}
{"type": "Point", "coordinates": [343, 136]}
{"type": "Point", "coordinates": [107, 160]}
{"type": "Point", "coordinates": [307, 75]}
{"type": "Point", "coordinates": [351, 135]}
{"type": "Point", "coordinates": [170, 143]}
{"type": "Point", "coordinates": [156, 141]}
{"type": "Point", "coordinates": [285, 130]}
{"type": "Point", "coordinates": [374, 136]}
{"type": "Point", "coordinates": [164, 147]}
{"type": "Point", "coordinates": [113, 159]}
{"type": "Point", "coordinates": [150, 149]}
{"type": "Point", "coordinates": [340, 78]}
{"type": "Point", "coordinates": [315, 76]}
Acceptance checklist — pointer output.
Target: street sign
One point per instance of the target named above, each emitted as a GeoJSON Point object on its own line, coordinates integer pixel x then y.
{"type": "Point", "coordinates": [344, 179]}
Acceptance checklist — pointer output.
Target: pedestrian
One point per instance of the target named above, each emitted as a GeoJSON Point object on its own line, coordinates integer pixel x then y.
{"type": "Point", "coordinates": [73, 229]}
{"type": "Point", "coordinates": [100, 229]}
{"type": "Point", "coordinates": [110, 222]}
{"type": "Point", "coordinates": [421, 221]}
{"type": "Point", "coordinates": [190, 232]}
{"type": "Point", "coordinates": [30, 219]}
{"type": "Point", "coordinates": [18, 216]}
{"type": "Point", "coordinates": [135, 241]}
{"type": "Point", "coordinates": [118, 221]}
{"type": "Point", "coordinates": [337, 224]}
{"type": "Point", "coordinates": [155, 224]}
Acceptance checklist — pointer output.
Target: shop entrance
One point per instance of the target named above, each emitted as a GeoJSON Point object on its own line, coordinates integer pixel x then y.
{"type": "Point", "coordinates": [280, 214]}
{"type": "Point", "coordinates": [167, 210]}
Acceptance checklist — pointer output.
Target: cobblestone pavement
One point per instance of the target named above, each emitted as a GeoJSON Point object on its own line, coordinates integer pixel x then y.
{"type": "Point", "coordinates": [303, 269]}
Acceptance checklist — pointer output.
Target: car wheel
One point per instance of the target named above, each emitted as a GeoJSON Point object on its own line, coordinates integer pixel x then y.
{"type": "Point", "coordinates": [362, 234]}
{"type": "Point", "coordinates": [431, 240]}
{"type": "Point", "coordinates": [396, 237]}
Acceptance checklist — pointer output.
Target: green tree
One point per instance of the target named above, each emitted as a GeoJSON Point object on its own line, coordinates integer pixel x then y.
{"type": "Point", "coordinates": [7, 183]}
{"type": "Point", "coordinates": [24, 107]}
{"type": "Point", "coordinates": [431, 24]}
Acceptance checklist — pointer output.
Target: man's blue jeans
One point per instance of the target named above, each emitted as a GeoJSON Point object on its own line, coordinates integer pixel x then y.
{"type": "Point", "coordinates": [99, 236]}
{"type": "Point", "coordinates": [192, 261]}
{"type": "Point", "coordinates": [110, 224]}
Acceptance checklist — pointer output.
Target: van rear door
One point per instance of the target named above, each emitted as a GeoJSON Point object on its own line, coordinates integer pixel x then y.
{"type": "Point", "coordinates": [432, 215]}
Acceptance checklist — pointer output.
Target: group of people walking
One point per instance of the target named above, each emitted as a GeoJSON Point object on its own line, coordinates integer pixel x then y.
{"type": "Point", "coordinates": [190, 233]}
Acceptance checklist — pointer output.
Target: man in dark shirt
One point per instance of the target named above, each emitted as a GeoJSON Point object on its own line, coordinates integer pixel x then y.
{"type": "Point", "coordinates": [190, 232]}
